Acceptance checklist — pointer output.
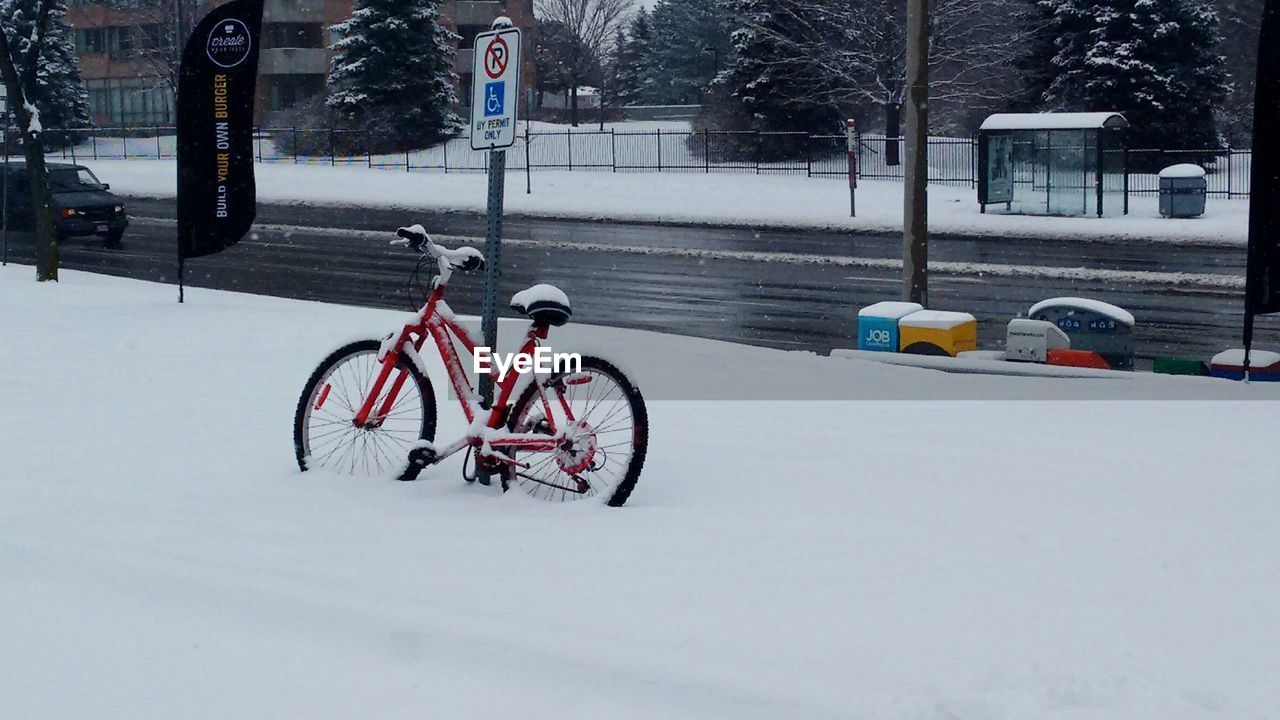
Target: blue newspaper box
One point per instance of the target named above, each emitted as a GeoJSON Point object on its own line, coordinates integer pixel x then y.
{"type": "Point", "coordinates": [878, 325]}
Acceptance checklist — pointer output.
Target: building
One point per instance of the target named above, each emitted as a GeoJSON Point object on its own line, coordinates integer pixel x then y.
{"type": "Point", "coordinates": [126, 51]}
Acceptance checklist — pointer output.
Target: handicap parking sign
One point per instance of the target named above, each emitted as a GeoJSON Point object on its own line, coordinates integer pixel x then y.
{"type": "Point", "coordinates": [495, 96]}
{"type": "Point", "coordinates": [495, 91]}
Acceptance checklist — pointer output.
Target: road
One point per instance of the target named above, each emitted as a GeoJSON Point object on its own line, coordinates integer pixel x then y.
{"type": "Point", "coordinates": [792, 290]}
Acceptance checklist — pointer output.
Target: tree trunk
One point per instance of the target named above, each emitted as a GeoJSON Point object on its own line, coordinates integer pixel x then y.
{"type": "Point", "coordinates": [573, 105]}
{"type": "Point", "coordinates": [915, 177]}
{"type": "Point", "coordinates": [41, 200]}
{"type": "Point", "coordinates": [892, 131]}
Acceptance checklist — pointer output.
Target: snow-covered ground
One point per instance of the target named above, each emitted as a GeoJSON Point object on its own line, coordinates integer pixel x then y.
{"type": "Point", "coordinates": [730, 199]}
{"type": "Point", "coordinates": [162, 556]}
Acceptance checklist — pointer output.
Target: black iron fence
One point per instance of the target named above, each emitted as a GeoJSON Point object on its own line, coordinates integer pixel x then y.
{"type": "Point", "coordinates": [952, 161]}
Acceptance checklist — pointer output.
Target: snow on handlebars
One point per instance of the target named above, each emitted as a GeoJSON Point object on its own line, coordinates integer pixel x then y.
{"type": "Point", "coordinates": [464, 258]}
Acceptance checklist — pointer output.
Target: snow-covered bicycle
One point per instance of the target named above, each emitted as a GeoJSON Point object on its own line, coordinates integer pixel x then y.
{"type": "Point", "coordinates": [370, 408]}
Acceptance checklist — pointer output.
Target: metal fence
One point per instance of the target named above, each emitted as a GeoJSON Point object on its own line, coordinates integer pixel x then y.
{"type": "Point", "coordinates": [952, 161]}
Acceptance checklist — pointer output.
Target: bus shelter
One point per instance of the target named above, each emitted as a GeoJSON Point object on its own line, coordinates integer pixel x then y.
{"type": "Point", "coordinates": [1053, 164]}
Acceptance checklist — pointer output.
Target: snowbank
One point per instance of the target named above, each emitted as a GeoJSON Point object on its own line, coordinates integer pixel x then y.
{"type": "Point", "coordinates": [1060, 561]}
{"type": "Point", "coordinates": [721, 199]}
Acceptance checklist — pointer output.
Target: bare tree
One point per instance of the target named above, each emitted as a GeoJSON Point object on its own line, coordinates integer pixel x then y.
{"type": "Point", "coordinates": [19, 67]}
{"type": "Point", "coordinates": [854, 51]}
{"type": "Point", "coordinates": [589, 27]}
{"type": "Point", "coordinates": [158, 53]}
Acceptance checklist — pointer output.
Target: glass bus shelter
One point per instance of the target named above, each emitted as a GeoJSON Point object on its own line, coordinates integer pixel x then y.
{"type": "Point", "coordinates": [1053, 164]}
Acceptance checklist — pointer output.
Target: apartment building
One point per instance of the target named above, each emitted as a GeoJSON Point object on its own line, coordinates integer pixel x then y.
{"type": "Point", "coordinates": [126, 58]}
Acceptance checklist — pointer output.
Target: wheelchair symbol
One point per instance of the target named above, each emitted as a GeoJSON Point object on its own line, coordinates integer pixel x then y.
{"type": "Point", "coordinates": [494, 98]}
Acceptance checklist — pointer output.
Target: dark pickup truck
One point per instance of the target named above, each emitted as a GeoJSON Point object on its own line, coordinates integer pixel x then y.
{"type": "Point", "coordinates": [81, 204]}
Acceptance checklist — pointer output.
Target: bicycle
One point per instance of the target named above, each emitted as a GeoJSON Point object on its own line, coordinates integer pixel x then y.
{"type": "Point", "coordinates": [369, 408]}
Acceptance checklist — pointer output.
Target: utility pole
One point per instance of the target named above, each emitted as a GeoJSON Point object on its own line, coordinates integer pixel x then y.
{"type": "Point", "coordinates": [915, 220]}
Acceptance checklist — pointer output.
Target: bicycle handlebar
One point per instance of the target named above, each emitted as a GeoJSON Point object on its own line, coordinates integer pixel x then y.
{"type": "Point", "coordinates": [463, 258]}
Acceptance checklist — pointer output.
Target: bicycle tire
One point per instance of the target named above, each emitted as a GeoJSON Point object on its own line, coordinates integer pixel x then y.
{"type": "Point", "coordinates": [387, 445]}
{"type": "Point", "coordinates": [520, 417]}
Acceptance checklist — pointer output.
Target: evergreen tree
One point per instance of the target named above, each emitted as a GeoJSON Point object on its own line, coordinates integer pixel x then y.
{"type": "Point", "coordinates": [1035, 64]}
{"type": "Point", "coordinates": [1241, 23]}
{"type": "Point", "coordinates": [633, 69]}
{"type": "Point", "coordinates": [392, 74]}
{"type": "Point", "coordinates": [691, 43]}
{"type": "Point", "coordinates": [1153, 60]}
{"type": "Point", "coordinates": [61, 97]}
{"type": "Point", "coordinates": [758, 90]}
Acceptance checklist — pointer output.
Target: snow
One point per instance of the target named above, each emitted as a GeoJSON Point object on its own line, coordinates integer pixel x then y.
{"type": "Point", "coordinates": [983, 362]}
{"type": "Point", "coordinates": [1183, 170]}
{"type": "Point", "coordinates": [1052, 121]}
{"type": "Point", "coordinates": [34, 127]}
{"type": "Point", "coordinates": [1235, 358]}
{"type": "Point", "coordinates": [542, 292]}
{"type": "Point", "coordinates": [936, 319]}
{"type": "Point", "coordinates": [890, 309]}
{"type": "Point", "coordinates": [1105, 309]}
{"type": "Point", "coordinates": [163, 557]}
{"type": "Point", "coordinates": [717, 199]}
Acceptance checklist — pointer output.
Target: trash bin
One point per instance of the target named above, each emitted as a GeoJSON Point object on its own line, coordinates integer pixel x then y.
{"type": "Point", "coordinates": [1091, 325]}
{"type": "Point", "coordinates": [1182, 191]}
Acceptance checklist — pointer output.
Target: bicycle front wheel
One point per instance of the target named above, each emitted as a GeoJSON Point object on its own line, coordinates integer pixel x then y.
{"type": "Point", "coordinates": [325, 434]}
{"type": "Point", "coordinates": [606, 439]}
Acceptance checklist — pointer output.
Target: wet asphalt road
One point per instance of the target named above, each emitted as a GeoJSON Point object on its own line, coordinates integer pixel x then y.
{"type": "Point", "coordinates": [793, 290]}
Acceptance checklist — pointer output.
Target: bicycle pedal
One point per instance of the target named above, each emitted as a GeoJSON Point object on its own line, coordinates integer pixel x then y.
{"type": "Point", "coordinates": [419, 458]}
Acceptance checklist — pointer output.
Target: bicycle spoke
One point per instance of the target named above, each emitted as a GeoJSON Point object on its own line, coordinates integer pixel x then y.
{"type": "Point", "coordinates": [331, 439]}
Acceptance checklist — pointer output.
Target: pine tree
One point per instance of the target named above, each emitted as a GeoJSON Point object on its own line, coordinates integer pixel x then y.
{"type": "Point", "coordinates": [691, 43]}
{"type": "Point", "coordinates": [1153, 60]}
{"type": "Point", "coordinates": [1035, 64]}
{"type": "Point", "coordinates": [633, 69]}
{"type": "Point", "coordinates": [61, 97]}
{"type": "Point", "coordinates": [392, 74]}
{"type": "Point", "coordinates": [761, 90]}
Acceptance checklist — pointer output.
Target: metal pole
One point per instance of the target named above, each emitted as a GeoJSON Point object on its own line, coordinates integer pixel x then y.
{"type": "Point", "coordinates": [4, 194]}
{"type": "Point", "coordinates": [915, 230]}
{"type": "Point", "coordinates": [851, 147]}
{"type": "Point", "coordinates": [1101, 179]}
{"type": "Point", "coordinates": [492, 274]}
{"type": "Point", "coordinates": [528, 135]}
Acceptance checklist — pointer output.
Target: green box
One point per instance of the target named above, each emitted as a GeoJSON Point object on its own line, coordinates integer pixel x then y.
{"type": "Point", "coordinates": [1179, 366]}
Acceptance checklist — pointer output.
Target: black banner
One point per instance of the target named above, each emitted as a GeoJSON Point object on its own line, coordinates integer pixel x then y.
{"type": "Point", "coordinates": [216, 190]}
{"type": "Point", "coordinates": [1262, 284]}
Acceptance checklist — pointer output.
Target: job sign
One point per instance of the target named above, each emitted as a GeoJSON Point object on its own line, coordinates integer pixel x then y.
{"type": "Point", "coordinates": [495, 89]}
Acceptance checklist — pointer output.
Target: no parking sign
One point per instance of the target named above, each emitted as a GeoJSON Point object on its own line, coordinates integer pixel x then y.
{"type": "Point", "coordinates": [495, 88]}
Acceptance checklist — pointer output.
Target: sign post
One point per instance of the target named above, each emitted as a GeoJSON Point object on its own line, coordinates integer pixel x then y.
{"type": "Point", "coordinates": [495, 100]}
{"type": "Point", "coordinates": [4, 192]}
{"type": "Point", "coordinates": [851, 132]}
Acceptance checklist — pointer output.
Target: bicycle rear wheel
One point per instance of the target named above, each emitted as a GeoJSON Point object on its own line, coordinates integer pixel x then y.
{"type": "Point", "coordinates": [325, 434]}
{"type": "Point", "coordinates": [606, 444]}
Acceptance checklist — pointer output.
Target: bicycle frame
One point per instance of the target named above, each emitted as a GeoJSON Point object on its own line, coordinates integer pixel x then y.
{"type": "Point", "coordinates": [436, 320]}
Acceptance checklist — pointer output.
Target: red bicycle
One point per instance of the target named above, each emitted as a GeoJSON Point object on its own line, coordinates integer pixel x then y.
{"type": "Point", "coordinates": [370, 408]}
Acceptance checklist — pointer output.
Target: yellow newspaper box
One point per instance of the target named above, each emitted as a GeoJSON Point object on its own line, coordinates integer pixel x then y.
{"type": "Point", "coordinates": [937, 332]}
